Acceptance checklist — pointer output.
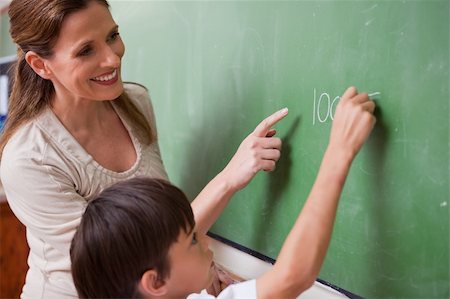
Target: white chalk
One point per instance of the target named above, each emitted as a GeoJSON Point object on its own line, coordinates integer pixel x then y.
{"type": "Point", "coordinates": [374, 94]}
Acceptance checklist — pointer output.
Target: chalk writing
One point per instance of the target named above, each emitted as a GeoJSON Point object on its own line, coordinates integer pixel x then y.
{"type": "Point", "coordinates": [323, 108]}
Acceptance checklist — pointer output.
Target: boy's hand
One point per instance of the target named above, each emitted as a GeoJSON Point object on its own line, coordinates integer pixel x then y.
{"type": "Point", "coordinates": [353, 122]}
{"type": "Point", "coordinates": [259, 151]}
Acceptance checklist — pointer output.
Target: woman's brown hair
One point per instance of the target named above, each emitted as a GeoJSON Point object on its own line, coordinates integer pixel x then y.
{"type": "Point", "coordinates": [35, 26]}
{"type": "Point", "coordinates": [125, 231]}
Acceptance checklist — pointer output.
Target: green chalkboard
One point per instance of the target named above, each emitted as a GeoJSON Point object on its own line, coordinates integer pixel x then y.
{"type": "Point", "coordinates": [215, 69]}
{"type": "Point", "coordinates": [7, 47]}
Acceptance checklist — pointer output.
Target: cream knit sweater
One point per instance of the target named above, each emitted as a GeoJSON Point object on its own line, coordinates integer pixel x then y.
{"type": "Point", "coordinates": [48, 179]}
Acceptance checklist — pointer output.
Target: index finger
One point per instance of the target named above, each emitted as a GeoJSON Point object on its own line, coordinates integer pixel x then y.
{"type": "Point", "coordinates": [263, 128]}
{"type": "Point", "coordinates": [349, 93]}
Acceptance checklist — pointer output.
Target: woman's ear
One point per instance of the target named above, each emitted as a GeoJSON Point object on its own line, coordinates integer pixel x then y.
{"type": "Point", "coordinates": [151, 285]}
{"type": "Point", "coordinates": [37, 64]}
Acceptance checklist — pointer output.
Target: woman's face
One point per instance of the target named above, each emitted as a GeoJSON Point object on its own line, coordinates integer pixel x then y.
{"type": "Point", "coordinates": [87, 56]}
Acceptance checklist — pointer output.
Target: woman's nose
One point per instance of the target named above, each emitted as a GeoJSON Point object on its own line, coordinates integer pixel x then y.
{"type": "Point", "coordinates": [111, 58]}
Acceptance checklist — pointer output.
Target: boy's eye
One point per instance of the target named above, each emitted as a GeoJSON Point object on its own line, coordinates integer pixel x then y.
{"type": "Point", "coordinates": [194, 238]}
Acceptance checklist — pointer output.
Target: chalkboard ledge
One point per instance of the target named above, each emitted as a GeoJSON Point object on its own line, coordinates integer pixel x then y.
{"type": "Point", "coordinates": [249, 264]}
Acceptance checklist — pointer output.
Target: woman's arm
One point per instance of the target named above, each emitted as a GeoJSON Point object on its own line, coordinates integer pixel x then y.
{"type": "Point", "coordinates": [259, 151]}
{"type": "Point", "coordinates": [304, 250]}
{"type": "Point", "coordinates": [43, 198]}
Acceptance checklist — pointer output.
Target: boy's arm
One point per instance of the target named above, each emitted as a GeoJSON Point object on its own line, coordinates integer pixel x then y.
{"type": "Point", "coordinates": [304, 250]}
{"type": "Point", "coordinates": [259, 151]}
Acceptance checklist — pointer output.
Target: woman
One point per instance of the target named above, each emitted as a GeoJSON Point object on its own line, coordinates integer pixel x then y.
{"type": "Point", "coordinates": [74, 128]}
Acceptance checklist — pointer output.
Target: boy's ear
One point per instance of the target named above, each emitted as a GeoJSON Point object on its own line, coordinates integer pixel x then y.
{"type": "Point", "coordinates": [151, 285]}
{"type": "Point", "coordinates": [37, 63]}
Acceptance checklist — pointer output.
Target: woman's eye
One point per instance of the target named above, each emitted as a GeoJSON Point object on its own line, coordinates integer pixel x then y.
{"type": "Point", "coordinates": [194, 238]}
{"type": "Point", "coordinates": [85, 51]}
{"type": "Point", "coordinates": [114, 36]}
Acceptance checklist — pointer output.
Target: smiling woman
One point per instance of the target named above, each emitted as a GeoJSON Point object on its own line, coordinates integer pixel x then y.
{"type": "Point", "coordinates": [74, 128]}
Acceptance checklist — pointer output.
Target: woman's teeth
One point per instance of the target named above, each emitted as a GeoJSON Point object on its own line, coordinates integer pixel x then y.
{"type": "Point", "coordinates": [106, 77]}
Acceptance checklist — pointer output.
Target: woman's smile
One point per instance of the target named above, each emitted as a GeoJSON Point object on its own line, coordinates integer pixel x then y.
{"type": "Point", "coordinates": [107, 79]}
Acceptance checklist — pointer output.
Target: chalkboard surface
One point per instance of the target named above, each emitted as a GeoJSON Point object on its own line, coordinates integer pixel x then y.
{"type": "Point", "coordinates": [215, 69]}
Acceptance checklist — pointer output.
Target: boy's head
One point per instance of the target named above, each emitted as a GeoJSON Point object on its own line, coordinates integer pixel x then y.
{"type": "Point", "coordinates": [137, 239]}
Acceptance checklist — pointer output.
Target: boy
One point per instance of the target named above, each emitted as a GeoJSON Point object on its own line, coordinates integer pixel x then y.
{"type": "Point", "coordinates": [138, 238]}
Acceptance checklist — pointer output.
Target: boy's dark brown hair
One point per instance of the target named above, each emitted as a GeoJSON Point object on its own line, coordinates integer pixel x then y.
{"type": "Point", "coordinates": [125, 231]}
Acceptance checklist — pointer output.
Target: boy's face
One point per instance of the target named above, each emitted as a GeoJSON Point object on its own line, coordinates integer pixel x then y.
{"type": "Point", "coordinates": [190, 265]}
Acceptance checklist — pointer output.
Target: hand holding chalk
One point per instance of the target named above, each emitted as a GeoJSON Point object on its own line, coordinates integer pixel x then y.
{"type": "Point", "coordinates": [308, 240]}
{"type": "Point", "coordinates": [353, 122]}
